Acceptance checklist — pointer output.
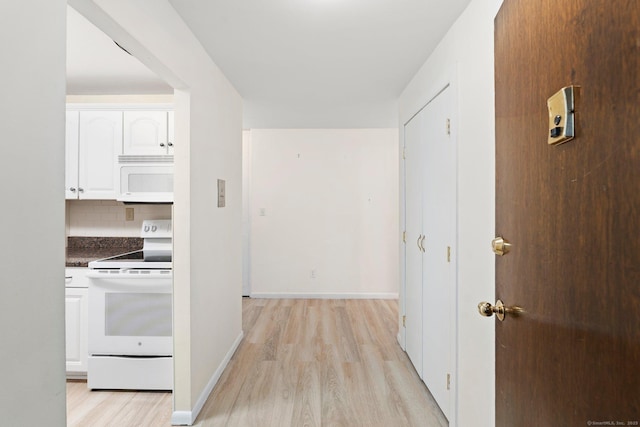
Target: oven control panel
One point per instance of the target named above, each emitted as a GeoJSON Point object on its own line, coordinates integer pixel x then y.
{"type": "Point", "coordinates": [156, 228]}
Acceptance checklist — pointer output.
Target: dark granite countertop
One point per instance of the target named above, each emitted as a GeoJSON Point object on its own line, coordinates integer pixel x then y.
{"type": "Point", "coordinates": [82, 250]}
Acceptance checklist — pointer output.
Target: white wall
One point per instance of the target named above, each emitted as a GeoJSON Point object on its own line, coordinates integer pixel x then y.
{"type": "Point", "coordinates": [32, 370]}
{"type": "Point", "coordinates": [355, 114]}
{"type": "Point", "coordinates": [329, 200]}
{"type": "Point", "coordinates": [465, 56]}
{"type": "Point", "coordinates": [207, 239]}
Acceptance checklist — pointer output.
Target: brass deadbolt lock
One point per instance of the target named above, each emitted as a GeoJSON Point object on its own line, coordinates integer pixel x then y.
{"type": "Point", "coordinates": [500, 246]}
{"type": "Point", "coordinates": [562, 115]}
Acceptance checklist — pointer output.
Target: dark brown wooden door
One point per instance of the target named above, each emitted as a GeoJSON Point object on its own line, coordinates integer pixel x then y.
{"type": "Point", "coordinates": [571, 213]}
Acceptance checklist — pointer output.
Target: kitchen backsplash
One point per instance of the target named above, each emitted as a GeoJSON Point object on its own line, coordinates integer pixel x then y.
{"type": "Point", "coordinates": [107, 218]}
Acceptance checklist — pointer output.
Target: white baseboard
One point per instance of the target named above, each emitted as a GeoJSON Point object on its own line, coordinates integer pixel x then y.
{"type": "Point", "coordinates": [187, 418]}
{"type": "Point", "coordinates": [181, 418]}
{"type": "Point", "coordinates": [76, 375]}
{"type": "Point", "coordinates": [304, 295]}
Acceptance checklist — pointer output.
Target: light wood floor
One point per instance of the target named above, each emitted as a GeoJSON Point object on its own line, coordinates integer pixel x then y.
{"type": "Point", "coordinates": [87, 408]}
{"type": "Point", "coordinates": [302, 363]}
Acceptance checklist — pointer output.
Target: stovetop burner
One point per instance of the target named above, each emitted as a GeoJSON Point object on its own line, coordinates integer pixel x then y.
{"type": "Point", "coordinates": [134, 256]}
{"type": "Point", "coordinates": [155, 254]}
{"type": "Point", "coordinates": [130, 260]}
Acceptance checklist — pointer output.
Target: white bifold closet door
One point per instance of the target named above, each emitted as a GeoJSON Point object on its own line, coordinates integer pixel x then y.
{"type": "Point", "coordinates": [413, 251]}
{"type": "Point", "coordinates": [430, 167]}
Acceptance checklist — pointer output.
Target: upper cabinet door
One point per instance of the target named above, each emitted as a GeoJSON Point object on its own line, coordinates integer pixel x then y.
{"type": "Point", "coordinates": [171, 132]}
{"type": "Point", "coordinates": [145, 132]}
{"type": "Point", "coordinates": [71, 154]}
{"type": "Point", "coordinates": [100, 145]}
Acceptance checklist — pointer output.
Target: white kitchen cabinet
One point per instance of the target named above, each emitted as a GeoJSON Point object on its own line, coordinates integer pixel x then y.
{"type": "Point", "coordinates": [71, 154]}
{"type": "Point", "coordinates": [97, 135]}
{"type": "Point", "coordinates": [91, 173]}
{"type": "Point", "coordinates": [146, 133]}
{"type": "Point", "coordinates": [76, 320]}
{"type": "Point", "coordinates": [171, 132]}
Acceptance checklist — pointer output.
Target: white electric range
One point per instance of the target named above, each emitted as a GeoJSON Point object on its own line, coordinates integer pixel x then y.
{"type": "Point", "coordinates": [131, 315]}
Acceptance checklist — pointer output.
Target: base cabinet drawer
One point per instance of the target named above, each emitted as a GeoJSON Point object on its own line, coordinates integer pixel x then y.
{"type": "Point", "coordinates": [76, 277]}
{"type": "Point", "coordinates": [130, 373]}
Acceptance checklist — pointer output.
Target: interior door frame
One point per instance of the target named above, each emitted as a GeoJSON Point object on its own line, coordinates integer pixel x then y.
{"type": "Point", "coordinates": [182, 102]}
{"type": "Point", "coordinates": [447, 80]}
{"type": "Point", "coordinates": [246, 212]}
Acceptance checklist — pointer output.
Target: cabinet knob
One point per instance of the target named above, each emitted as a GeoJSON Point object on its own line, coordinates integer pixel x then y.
{"type": "Point", "coordinates": [170, 144]}
{"type": "Point", "coordinates": [72, 189]}
{"type": "Point", "coordinates": [162, 144]}
{"type": "Point", "coordinates": [81, 190]}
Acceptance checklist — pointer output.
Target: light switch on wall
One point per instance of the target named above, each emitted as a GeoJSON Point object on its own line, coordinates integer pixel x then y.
{"type": "Point", "coordinates": [128, 214]}
{"type": "Point", "coordinates": [221, 193]}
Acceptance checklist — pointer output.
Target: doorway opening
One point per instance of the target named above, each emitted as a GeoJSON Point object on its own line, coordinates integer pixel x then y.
{"type": "Point", "coordinates": [103, 78]}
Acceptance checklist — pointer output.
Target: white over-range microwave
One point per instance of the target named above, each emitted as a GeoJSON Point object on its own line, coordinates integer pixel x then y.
{"type": "Point", "coordinates": [146, 178]}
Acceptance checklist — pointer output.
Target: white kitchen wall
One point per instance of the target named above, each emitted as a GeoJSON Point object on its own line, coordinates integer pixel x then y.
{"type": "Point", "coordinates": [465, 58]}
{"type": "Point", "coordinates": [32, 351]}
{"type": "Point", "coordinates": [323, 212]}
{"type": "Point", "coordinates": [106, 218]}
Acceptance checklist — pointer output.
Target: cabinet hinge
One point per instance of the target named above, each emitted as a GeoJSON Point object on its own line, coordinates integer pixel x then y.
{"type": "Point", "coordinates": [404, 236]}
{"type": "Point", "coordinates": [448, 381]}
{"type": "Point", "coordinates": [448, 253]}
{"type": "Point", "coordinates": [448, 126]}
{"type": "Point", "coordinates": [404, 321]}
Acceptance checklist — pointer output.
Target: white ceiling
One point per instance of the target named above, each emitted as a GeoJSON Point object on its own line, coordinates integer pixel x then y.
{"type": "Point", "coordinates": [296, 63]}
{"type": "Point", "coordinates": [97, 66]}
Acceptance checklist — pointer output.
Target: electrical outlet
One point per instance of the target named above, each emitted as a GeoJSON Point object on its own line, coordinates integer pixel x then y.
{"type": "Point", "coordinates": [128, 214]}
{"type": "Point", "coordinates": [313, 274]}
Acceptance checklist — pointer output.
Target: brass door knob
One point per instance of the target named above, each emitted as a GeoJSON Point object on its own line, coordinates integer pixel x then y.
{"type": "Point", "coordinates": [500, 310]}
{"type": "Point", "coordinates": [500, 246]}
{"type": "Point", "coordinates": [487, 310]}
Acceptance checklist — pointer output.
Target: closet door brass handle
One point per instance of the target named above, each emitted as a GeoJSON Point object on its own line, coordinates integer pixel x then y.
{"type": "Point", "coordinates": [418, 243]}
{"type": "Point", "coordinates": [421, 243]}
